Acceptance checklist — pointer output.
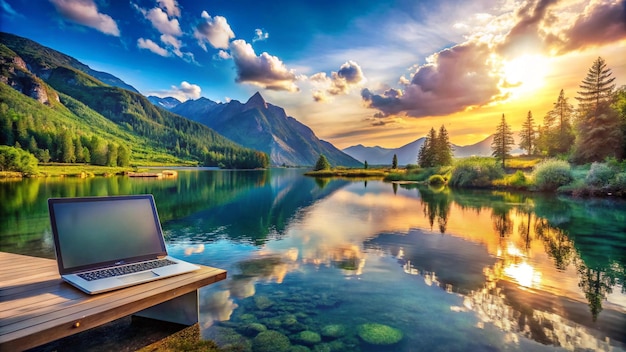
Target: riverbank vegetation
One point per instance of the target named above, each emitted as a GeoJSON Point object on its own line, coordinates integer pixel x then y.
{"type": "Point", "coordinates": [576, 151]}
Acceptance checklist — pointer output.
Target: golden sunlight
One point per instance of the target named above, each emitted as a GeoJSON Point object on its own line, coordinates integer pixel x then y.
{"type": "Point", "coordinates": [525, 74]}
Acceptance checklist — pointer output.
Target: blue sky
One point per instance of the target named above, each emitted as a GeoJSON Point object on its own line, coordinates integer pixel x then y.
{"type": "Point", "coordinates": [369, 72]}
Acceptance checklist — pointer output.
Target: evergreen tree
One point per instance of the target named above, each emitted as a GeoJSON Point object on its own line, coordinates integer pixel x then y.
{"type": "Point", "coordinates": [443, 148]}
{"type": "Point", "coordinates": [598, 125]}
{"type": "Point", "coordinates": [558, 134]}
{"type": "Point", "coordinates": [365, 165]}
{"type": "Point", "coordinates": [426, 156]}
{"type": "Point", "coordinates": [394, 162]}
{"type": "Point", "coordinates": [322, 163]}
{"type": "Point", "coordinates": [596, 88]}
{"type": "Point", "coordinates": [502, 141]}
{"type": "Point", "coordinates": [528, 134]}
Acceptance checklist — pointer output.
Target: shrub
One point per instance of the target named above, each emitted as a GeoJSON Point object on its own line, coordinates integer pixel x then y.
{"type": "Point", "coordinates": [436, 180]}
{"type": "Point", "coordinates": [599, 175]}
{"type": "Point", "coordinates": [552, 174]}
{"type": "Point", "coordinates": [619, 182]}
{"type": "Point", "coordinates": [16, 159]}
{"type": "Point", "coordinates": [475, 172]}
{"type": "Point", "coordinates": [517, 180]}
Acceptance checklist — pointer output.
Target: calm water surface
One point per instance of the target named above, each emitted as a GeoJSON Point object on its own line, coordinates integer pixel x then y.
{"type": "Point", "coordinates": [316, 261]}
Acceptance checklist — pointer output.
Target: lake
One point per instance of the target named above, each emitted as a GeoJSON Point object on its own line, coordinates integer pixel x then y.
{"type": "Point", "coordinates": [342, 265]}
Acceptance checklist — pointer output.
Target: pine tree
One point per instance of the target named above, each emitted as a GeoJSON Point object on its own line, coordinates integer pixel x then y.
{"type": "Point", "coordinates": [502, 141]}
{"type": "Point", "coordinates": [426, 156]}
{"type": "Point", "coordinates": [443, 148]}
{"type": "Point", "coordinates": [559, 135]}
{"type": "Point", "coordinates": [394, 162]}
{"type": "Point", "coordinates": [598, 125]}
{"type": "Point", "coordinates": [597, 88]}
{"type": "Point", "coordinates": [528, 134]}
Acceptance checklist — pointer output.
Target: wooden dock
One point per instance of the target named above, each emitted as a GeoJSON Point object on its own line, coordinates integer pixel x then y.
{"type": "Point", "coordinates": [37, 306]}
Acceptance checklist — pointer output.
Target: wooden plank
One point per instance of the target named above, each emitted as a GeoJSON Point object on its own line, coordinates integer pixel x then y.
{"type": "Point", "coordinates": [39, 307]}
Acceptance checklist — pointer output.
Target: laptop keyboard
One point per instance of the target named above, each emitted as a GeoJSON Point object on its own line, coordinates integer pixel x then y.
{"type": "Point", "coordinates": [124, 270]}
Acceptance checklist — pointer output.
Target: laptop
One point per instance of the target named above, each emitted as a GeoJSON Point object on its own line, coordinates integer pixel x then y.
{"type": "Point", "coordinates": [107, 243]}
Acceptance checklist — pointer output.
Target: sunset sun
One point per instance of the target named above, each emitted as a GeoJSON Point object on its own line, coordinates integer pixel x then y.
{"type": "Point", "coordinates": [525, 74]}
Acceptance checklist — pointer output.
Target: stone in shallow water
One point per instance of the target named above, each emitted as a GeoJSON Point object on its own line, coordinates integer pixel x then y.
{"type": "Point", "coordinates": [308, 338]}
{"type": "Point", "coordinates": [271, 341]}
{"type": "Point", "coordinates": [379, 334]}
{"type": "Point", "coordinates": [333, 331]}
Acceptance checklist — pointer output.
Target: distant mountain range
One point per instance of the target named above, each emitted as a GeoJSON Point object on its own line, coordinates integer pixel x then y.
{"type": "Point", "coordinates": [261, 126]}
{"type": "Point", "coordinates": [76, 101]}
{"type": "Point", "coordinates": [407, 154]}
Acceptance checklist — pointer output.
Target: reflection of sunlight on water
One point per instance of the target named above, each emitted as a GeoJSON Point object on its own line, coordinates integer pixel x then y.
{"type": "Point", "coordinates": [516, 267]}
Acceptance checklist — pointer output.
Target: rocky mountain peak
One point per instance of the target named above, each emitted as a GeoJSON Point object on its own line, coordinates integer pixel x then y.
{"type": "Point", "coordinates": [256, 101]}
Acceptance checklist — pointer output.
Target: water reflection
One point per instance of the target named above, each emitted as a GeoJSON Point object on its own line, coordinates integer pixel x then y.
{"type": "Point", "coordinates": [499, 270]}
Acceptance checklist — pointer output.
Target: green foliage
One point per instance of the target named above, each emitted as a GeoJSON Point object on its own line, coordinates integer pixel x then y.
{"type": "Point", "coordinates": [599, 125]}
{"type": "Point", "coordinates": [600, 175]}
{"type": "Point", "coordinates": [15, 159]}
{"type": "Point", "coordinates": [436, 180]}
{"type": "Point", "coordinates": [365, 165]}
{"type": "Point", "coordinates": [556, 134]}
{"type": "Point", "coordinates": [502, 141]}
{"type": "Point", "coordinates": [475, 172]}
{"type": "Point", "coordinates": [518, 180]}
{"type": "Point", "coordinates": [394, 162]}
{"type": "Point", "coordinates": [436, 149]}
{"type": "Point", "coordinates": [322, 163]}
{"type": "Point", "coordinates": [552, 174]}
{"type": "Point", "coordinates": [528, 134]}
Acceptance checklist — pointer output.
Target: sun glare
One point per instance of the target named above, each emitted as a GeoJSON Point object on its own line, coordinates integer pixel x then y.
{"type": "Point", "coordinates": [525, 74]}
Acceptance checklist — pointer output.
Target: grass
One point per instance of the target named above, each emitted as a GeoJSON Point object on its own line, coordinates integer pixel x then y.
{"type": "Point", "coordinates": [523, 162]}
{"type": "Point", "coordinates": [80, 170]}
{"type": "Point", "coordinates": [356, 173]}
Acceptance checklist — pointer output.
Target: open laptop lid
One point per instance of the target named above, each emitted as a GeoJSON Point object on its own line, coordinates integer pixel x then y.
{"type": "Point", "coordinates": [95, 232]}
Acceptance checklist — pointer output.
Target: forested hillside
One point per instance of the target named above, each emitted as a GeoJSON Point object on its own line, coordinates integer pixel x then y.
{"type": "Point", "coordinates": [61, 113]}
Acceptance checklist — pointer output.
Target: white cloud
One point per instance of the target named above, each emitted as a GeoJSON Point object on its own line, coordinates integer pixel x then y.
{"type": "Point", "coordinates": [349, 75]}
{"type": "Point", "coordinates": [265, 70]}
{"type": "Point", "coordinates": [260, 35]}
{"type": "Point", "coordinates": [152, 46]}
{"type": "Point", "coordinates": [171, 7]}
{"type": "Point", "coordinates": [213, 30]}
{"type": "Point", "coordinates": [162, 23]}
{"type": "Point", "coordinates": [183, 92]}
{"type": "Point", "coordinates": [85, 12]}
{"type": "Point", "coordinates": [222, 55]}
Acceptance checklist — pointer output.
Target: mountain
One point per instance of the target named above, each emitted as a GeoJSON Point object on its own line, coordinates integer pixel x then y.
{"type": "Point", "coordinates": [167, 103]}
{"type": "Point", "coordinates": [262, 126]}
{"type": "Point", "coordinates": [42, 58]}
{"type": "Point", "coordinates": [407, 154]}
{"type": "Point", "coordinates": [56, 110]}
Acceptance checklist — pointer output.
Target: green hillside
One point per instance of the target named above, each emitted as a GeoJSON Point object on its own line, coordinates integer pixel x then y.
{"type": "Point", "coordinates": [60, 113]}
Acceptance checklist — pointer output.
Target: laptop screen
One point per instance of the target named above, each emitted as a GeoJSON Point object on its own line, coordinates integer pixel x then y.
{"type": "Point", "coordinates": [96, 231]}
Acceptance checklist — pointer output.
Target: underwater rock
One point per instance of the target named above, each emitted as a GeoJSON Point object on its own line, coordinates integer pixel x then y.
{"type": "Point", "coordinates": [271, 341]}
{"type": "Point", "coordinates": [228, 339]}
{"type": "Point", "coordinates": [379, 334]}
{"type": "Point", "coordinates": [333, 331]}
{"type": "Point", "coordinates": [252, 329]}
{"type": "Point", "coordinates": [263, 302]}
{"type": "Point", "coordinates": [299, 348]}
{"type": "Point", "coordinates": [308, 338]}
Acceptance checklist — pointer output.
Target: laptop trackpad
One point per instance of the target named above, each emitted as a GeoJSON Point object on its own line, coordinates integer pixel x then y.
{"type": "Point", "coordinates": [137, 277]}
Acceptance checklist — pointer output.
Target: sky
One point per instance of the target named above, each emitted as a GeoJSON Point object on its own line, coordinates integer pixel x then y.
{"type": "Point", "coordinates": [376, 73]}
